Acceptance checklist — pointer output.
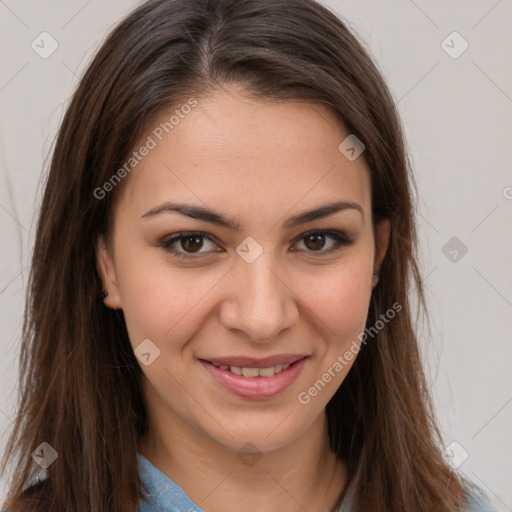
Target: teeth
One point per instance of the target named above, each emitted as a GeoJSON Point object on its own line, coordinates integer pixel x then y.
{"type": "Point", "coordinates": [250, 372]}
{"type": "Point", "coordinates": [236, 370]}
{"type": "Point", "coordinates": [266, 372]}
{"type": "Point", "coordinates": [254, 372]}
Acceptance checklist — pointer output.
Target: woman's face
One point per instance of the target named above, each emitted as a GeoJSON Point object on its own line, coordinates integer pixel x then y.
{"type": "Point", "coordinates": [256, 286]}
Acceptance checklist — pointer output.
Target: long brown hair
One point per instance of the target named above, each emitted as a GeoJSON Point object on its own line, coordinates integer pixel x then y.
{"type": "Point", "coordinates": [80, 383]}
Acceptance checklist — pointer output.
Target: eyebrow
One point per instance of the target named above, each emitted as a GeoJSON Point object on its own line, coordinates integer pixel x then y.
{"type": "Point", "coordinates": [208, 215]}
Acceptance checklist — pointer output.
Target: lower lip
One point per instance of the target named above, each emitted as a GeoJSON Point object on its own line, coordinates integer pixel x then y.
{"type": "Point", "coordinates": [255, 387]}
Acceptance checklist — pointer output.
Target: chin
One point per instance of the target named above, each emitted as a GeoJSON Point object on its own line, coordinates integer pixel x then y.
{"type": "Point", "coordinates": [263, 433]}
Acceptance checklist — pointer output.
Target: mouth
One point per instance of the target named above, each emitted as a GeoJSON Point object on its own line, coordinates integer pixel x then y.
{"type": "Point", "coordinates": [255, 378]}
{"type": "Point", "coordinates": [254, 372]}
{"type": "Point", "coordinates": [277, 361]}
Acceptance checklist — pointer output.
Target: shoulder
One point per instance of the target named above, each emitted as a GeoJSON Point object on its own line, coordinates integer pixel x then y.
{"type": "Point", "coordinates": [477, 501]}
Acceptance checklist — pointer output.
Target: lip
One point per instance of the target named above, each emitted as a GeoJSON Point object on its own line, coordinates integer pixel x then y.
{"type": "Point", "coordinates": [252, 362]}
{"type": "Point", "coordinates": [255, 387]}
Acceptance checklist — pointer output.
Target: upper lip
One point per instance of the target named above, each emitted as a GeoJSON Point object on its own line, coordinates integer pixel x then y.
{"type": "Point", "coordinates": [252, 362]}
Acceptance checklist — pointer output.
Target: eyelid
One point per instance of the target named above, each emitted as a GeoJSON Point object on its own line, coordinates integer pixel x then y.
{"type": "Point", "coordinates": [340, 239]}
{"type": "Point", "coordinates": [333, 233]}
{"type": "Point", "coordinates": [167, 242]}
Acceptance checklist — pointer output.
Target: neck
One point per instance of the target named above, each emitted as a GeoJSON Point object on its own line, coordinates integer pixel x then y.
{"type": "Point", "coordinates": [303, 475]}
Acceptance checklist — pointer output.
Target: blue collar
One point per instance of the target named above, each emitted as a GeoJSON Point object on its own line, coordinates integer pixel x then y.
{"type": "Point", "coordinates": [163, 495]}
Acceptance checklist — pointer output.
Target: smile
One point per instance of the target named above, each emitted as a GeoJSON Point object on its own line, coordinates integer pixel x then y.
{"type": "Point", "coordinates": [254, 372]}
{"type": "Point", "coordinates": [255, 379]}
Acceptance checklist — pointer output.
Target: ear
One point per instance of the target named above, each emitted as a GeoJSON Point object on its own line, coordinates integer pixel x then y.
{"type": "Point", "coordinates": [106, 271]}
{"type": "Point", "coordinates": [382, 235]}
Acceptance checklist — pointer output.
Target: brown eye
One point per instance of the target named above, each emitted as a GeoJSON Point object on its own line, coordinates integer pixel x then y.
{"type": "Point", "coordinates": [192, 243]}
{"type": "Point", "coordinates": [315, 241]}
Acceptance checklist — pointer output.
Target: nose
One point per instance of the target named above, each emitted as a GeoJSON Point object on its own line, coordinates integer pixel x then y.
{"type": "Point", "coordinates": [260, 304]}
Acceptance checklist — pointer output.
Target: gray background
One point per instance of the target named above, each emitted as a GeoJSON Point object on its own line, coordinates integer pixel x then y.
{"type": "Point", "coordinates": [457, 114]}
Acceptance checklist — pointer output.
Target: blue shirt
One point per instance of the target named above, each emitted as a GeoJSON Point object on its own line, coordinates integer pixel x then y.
{"type": "Point", "coordinates": [164, 495]}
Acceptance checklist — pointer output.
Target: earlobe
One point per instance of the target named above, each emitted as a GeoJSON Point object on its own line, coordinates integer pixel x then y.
{"type": "Point", "coordinates": [106, 271]}
{"type": "Point", "coordinates": [382, 237]}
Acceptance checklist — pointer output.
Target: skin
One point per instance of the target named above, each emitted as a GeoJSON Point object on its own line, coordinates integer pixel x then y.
{"type": "Point", "coordinates": [260, 163]}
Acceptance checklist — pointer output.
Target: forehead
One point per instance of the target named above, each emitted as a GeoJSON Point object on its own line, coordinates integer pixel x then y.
{"type": "Point", "coordinates": [236, 153]}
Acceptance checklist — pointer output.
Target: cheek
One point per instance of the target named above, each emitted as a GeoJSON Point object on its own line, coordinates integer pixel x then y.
{"type": "Point", "coordinates": [340, 301]}
{"type": "Point", "coordinates": [161, 302]}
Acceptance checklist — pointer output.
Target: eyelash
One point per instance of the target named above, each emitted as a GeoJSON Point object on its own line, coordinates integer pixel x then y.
{"type": "Point", "coordinates": [340, 240]}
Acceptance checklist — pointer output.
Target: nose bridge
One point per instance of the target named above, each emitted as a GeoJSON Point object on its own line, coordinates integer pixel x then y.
{"type": "Point", "coordinates": [262, 305]}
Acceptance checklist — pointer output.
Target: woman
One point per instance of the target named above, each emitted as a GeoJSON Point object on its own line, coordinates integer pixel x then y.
{"type": "Point", "coordinates": [218, 314]}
